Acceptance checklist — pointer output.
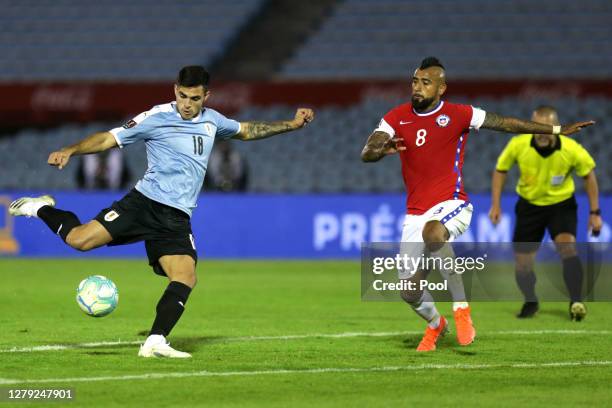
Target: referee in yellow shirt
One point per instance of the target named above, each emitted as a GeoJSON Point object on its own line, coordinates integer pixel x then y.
{"type": "Point", "coordinates": [546, 201]}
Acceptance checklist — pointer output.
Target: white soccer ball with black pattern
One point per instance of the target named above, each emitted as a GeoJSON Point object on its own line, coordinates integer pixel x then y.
{"type": "Point", "coordinates": [97, 296]}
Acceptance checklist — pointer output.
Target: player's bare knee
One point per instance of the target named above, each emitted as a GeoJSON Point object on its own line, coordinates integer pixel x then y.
{"type": "Point", "coordinates": [191, 279]}
{"type": "Point", "coordinates": [78, 241]}
{"type": "Point", "coordinates": [434, 235]}
{"type": "Point", "coordinates": [180, 268]}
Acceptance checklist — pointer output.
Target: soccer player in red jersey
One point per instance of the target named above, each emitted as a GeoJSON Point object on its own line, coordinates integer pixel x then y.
{"type": "Point", "coordinates": [430, 136]}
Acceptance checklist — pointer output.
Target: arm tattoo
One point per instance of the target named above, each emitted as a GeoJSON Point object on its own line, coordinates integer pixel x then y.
{"type": "Point", "coordinates": [494, 121]}
{"type": "Point", "coordinates": [261, 130]}
{"type": "Point", "coordinates": [374, 149]}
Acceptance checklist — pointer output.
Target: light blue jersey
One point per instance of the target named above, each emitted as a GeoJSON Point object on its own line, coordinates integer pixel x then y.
{"type": "Point", "coordinates": [177, 151]}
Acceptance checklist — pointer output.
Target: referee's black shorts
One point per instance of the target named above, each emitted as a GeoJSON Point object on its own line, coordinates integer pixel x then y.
{"type": "Point", "coordinates": [532, 221]}
{"type": "Point", "coordinates": [165, 230]}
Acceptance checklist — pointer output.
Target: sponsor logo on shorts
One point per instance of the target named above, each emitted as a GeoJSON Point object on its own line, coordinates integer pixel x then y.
{"type": "Point", "coordinates": [192, 241]}
{"type": "Point", "coordinates": [111, 216]}
{"type": "Point", "coordinates": [443, 120]}
{"type": "Point", "coordinates": [438, 211]}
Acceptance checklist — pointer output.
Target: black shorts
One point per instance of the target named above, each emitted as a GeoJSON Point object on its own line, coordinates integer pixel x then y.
{"type": "Point", "coordinates": [532, 221]}
{"type": "Point", "coordinates": [165, 230]}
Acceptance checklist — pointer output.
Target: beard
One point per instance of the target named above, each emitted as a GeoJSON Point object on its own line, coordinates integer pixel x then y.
{"type": "Point", "coordinates": [421, 104]}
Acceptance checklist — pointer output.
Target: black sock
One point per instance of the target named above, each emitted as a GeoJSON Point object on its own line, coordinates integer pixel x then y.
{"type": "Point", "coordinates": [170, 308]}
{"type": "Point", "coordinates": [526, 283]}
{"type": "Point", "coordinates": [59, 221]}
{"type": "Point", "coordinates": [572, 275]}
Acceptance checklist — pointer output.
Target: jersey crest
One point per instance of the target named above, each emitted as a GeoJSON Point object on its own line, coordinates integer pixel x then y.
{"type": "Point", "coordinates": [442, 120]}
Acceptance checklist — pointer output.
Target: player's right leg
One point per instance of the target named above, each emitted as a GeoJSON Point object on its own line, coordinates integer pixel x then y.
{"type": "Point", "coordinates": [423, 304]}
{"type": "Point", "coordinates": [420, 301]}
{"type": "Point", "coordinates": [180, 270]}
{"type": "Point", "coordinates": [63, 223]}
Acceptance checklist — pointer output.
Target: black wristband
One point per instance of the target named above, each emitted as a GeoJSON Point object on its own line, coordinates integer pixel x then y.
{"type": "Point", "coordinates": [595, 212]}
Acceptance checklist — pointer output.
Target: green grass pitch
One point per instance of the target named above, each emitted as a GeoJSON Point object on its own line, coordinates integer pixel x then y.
{"type": "Point", "coordinates": [280, 334]}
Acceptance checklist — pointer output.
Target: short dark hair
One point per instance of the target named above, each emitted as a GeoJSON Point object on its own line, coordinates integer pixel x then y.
{"type": "Point", "coordinates": [431, 62]}
{"type": "Point", "coordinates": [545, 109]}
{"type": "Point", "coordinates": [193, 75]}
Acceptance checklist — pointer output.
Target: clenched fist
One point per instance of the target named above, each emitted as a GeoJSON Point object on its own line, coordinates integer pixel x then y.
{"type": "Point", "coordinates": [302, 117]}
{"type": "Point", "coordinates": [59, 158]}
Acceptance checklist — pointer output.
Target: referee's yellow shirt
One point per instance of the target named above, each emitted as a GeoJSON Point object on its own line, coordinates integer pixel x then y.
{"type": "Point", "coordinates": [545, 180]}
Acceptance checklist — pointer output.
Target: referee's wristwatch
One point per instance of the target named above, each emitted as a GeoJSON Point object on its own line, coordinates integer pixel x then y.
{"type": "Point", "coordinates": [595, 212]}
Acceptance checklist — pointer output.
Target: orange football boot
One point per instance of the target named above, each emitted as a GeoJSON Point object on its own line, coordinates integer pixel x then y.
{"type": "Point", "coordinates": [465, 328]}
{"type": "Point", "coordinates": [428, 343]}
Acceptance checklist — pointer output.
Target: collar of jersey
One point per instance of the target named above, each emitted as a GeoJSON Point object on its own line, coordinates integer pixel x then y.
{"type": "Point", "coordinates": [176, 112]}
{"type": "Point", "coordinates": [437, 108]}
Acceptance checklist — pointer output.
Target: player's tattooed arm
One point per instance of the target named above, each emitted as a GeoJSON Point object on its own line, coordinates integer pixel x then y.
{"type": "Point", "coordinates": [494, 121]}
{"type": "Point", "coordinates": [261, 130]}
{"type": "Point", "coordinates": [98, 142]}
{"type": "Point", "coordinates": [379, 145]}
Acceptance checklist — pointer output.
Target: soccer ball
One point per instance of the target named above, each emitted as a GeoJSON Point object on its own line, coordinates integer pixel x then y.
{"type": "Point", "coordinates": [97, 296]}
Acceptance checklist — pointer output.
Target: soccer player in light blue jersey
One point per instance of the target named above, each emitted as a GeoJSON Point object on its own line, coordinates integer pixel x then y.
{"type": "Point", "coordinates": [179, 138]}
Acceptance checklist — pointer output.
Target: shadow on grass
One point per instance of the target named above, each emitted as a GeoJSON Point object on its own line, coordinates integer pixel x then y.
{"type": "Point", "coordinates": [102, 353]}
{"type": "Point", "coordinates": [564, 314]}
{"type": "Point", "coordinates": [191, 344]}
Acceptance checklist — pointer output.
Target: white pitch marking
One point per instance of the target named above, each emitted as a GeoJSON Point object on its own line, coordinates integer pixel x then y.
{"type": "Point", "coordinates": [156, 376]}
{"type": "Point", "coordinates": [59, 347]}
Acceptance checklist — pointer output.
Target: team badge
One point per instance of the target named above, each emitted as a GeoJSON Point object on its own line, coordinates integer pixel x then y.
{"type": "Point", "coordinates": [130, 124]}
{"type": "Point", "coordinates": [210, 130]}
{"type": "Point", "coordinates": [443, 120]}
{"type": "Point", "coordinates": [111, 216]}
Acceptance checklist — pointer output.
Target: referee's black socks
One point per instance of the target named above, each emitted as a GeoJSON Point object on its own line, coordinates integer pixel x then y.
{"type": "Point", "coordinates": [59, 221]}
{"type": "Point", "coordinates": [170, 308]}
{"type": "Point", "coordinates": [572, 275]}
{"type": "Point", "coordinates": [526, 282]}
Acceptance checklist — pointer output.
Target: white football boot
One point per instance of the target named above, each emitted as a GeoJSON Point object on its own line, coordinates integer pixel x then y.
{"type": "Point", "coordinates": [29, 206]}
{"type": "Point", "coordinates": [157, 346]}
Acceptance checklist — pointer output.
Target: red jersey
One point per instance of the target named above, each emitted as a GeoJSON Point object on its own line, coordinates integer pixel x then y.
{"type": "Point", "coordinates": [435, 145]}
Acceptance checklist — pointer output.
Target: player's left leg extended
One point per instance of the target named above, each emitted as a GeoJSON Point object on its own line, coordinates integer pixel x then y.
{"type": "Point", "coordinates": [65, 224]}
{"type": "Point", "coordinates": [180, 270]}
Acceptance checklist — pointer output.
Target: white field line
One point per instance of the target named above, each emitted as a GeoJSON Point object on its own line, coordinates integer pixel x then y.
{"type": "Point", "coordinates": [102, 344]}
{"type": "Point", "coordinates": [156, 376]}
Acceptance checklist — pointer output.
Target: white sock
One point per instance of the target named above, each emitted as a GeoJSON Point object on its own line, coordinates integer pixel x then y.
{"type": "Point", "coordinates": [460, 305]}
{"type": "Point", "coordinates": [33, 211]}
{"type": "Point", "coordinates": [427, 309]}
{"type": "Point", "coordinates": [154, 339]}
{"type": "Point", "coordinates": [455, 281]}
{"type": "Point", "coordinates": [435, 323]}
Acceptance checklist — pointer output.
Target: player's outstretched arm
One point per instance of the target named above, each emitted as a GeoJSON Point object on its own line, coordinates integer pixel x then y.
{"type": "Point", "coordinates": [262, 130]}
{"type": "Point", "coordinates": [98, 142]}
{"type": "Point", "coordinates": [494, 121]}
{"type": "Point", "coordinates": [379, 145]}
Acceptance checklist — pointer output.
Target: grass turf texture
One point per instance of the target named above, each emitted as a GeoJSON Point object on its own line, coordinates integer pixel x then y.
{"type": "Point", "coordinates": [236, 299]}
